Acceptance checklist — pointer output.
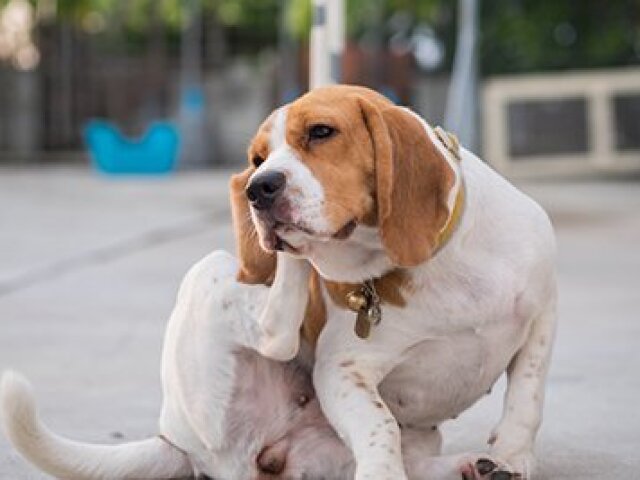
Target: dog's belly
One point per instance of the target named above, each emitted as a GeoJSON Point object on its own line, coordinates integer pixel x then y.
{"type": "Point", "coordinates": [440, 378]}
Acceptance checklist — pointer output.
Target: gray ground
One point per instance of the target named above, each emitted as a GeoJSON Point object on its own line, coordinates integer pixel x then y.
{"type": "Point", "coordinates": [89, 269]}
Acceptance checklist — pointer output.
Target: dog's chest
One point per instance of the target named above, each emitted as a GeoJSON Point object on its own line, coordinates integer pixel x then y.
{"type": "Point", "coordinates": [456, 336]}
{"type": "Point", "coordinates": [440, 378]}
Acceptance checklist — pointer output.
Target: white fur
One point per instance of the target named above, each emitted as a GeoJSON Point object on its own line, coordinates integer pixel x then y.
{"type": "Point", "coordinates": [484, 302]}
{"type": "Point", "coordinates": [209, 322]}
{"type": "Point", "coordinates": [212, 318]}
{"type": "Point", "coordinates": [65, 459]}
{"type": "Point", "coordinates": [277, 137]}
{"type": "Point", "coordinates": [280, 321]}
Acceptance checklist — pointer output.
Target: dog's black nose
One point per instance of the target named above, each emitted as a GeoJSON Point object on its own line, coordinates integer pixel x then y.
{"type": "Point", "coordinates": [265, 188]}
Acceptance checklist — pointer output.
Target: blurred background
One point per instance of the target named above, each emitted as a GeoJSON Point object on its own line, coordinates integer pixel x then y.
{"type": "Point", "coordinates": [121, 121]}
{"type": "Point", "coordinates": [215, 68]}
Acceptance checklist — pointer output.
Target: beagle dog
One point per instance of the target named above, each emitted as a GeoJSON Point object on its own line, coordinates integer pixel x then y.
{"type": "Point", "coordinates": [228, 412]}
{"type": "Point", "coordinates": [431, 276]}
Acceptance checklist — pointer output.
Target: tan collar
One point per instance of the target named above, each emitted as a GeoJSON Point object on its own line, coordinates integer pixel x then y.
{"type": "Point", "coordinates": [454, 220]}
{"type": "Point", "coordinates": [451, 143]}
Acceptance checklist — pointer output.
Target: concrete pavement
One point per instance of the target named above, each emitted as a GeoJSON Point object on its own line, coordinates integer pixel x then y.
{"type": "Point", "coordinates": [89, 269]}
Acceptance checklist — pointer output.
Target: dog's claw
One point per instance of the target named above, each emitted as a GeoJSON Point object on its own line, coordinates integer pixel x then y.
{"type": "Point", "coordinates": [485, 466]}
{"type": "Point", "coordinates": [502, 475]}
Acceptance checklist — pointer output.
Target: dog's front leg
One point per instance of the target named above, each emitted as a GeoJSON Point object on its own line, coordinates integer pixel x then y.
{"type": "Point", "coordinates": [283, 313]}
{"type": "Point", "coordinates": [346, 382]}
{"type": "Point", "coordinates": [513, 438]}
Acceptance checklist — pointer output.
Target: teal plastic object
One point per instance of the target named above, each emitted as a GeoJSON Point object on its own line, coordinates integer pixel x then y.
{"type": "Point", "coordinates": [156, 152]}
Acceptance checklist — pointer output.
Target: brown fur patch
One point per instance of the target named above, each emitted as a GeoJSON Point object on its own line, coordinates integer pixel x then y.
{"type": "Point", "coordinates": [345, 163]}
{"type": "Point", "coordinates": [413, 181]}
{"type": "Point", "coordinates": [256, 265]}
{"type": "Point", "coordinates": [315, 315]}
{"type": "Point", "coordinates": [390, 288]}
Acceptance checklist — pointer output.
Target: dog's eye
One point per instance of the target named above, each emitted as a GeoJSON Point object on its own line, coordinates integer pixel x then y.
{"type": "Point", "coordinates": [257, 160]}
{"type": "Point", "coordinates": [320, 132]}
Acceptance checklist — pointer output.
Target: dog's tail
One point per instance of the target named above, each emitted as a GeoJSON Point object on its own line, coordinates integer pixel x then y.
{"type": "Point", "coordinates": [66, 459]}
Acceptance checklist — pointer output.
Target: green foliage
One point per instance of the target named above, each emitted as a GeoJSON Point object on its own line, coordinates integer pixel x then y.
{"type": "Point", "coordinates": [516, 35]}
{"type": "Point", "coordinates": [534, 35]}
{"type": "Point", "coordinates": [363, 15]}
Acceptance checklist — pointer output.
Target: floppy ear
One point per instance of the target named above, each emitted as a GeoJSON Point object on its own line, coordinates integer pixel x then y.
{"type": "Point", "coordinates": [413, 181]}
{"type": "Point", "coordinates": [256, 265]}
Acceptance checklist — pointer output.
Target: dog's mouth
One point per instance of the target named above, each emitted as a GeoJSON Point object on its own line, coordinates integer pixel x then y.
{"type": "Point", "coordinates": [274, 241]}
{"type": "Point", "coordinates": [277, 235]}
{"type": "Point", "coordinates": [290, 237]}
{"type": "Point", "coordinates": [346, 230]}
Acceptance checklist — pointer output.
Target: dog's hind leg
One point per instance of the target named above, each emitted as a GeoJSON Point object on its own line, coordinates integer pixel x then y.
{"type": "Point", "coordinates": [282, 317]}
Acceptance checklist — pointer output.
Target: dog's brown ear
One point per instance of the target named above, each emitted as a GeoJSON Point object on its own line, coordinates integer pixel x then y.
{"type": "Point", "coordinates": [413, 181]}
{"type": "Point", "coordinates": [256, 265]}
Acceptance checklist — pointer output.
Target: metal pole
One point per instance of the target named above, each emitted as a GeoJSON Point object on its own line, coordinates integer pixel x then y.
{"type": "Point", "coordinates": [462, 101]}
{"type": "Point", "coordinates": [288, 58]}
{"type": "Point", "coordinates": [336, 33]}
{"type": "Point", "coordinates": [192, 108]}
{"type": "Point", "coordinates": [327, 42]}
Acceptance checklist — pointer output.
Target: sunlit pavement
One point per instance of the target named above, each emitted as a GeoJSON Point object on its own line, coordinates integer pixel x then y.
{"type": "Point", "coordinates": [89, 269]}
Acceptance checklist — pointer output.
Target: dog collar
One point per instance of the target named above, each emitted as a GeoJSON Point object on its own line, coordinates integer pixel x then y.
{"type": "Point", "coordinates": [451, 143]}
{"type": "Point", "coordinates": [454, 220]}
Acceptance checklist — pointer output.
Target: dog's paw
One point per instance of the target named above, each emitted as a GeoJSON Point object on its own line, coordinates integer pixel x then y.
{"type": "Point", "coordinates": [484, 467]}
{"type": "Point", "coordinates": [282, 347]}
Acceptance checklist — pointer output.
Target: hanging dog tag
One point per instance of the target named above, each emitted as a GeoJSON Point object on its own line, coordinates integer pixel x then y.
{"type": "Point", "coordinates": [374, 313]}
{"type": "Point", "coordinates": [363, 325]}
{"type": "Point", "coordinates": [366, 303]}
{"type": "Point", "coordinates": [366, 318]}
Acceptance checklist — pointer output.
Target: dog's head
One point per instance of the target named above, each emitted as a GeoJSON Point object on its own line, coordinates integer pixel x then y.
{"type": "Point", "coordinates": [335, 159]}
